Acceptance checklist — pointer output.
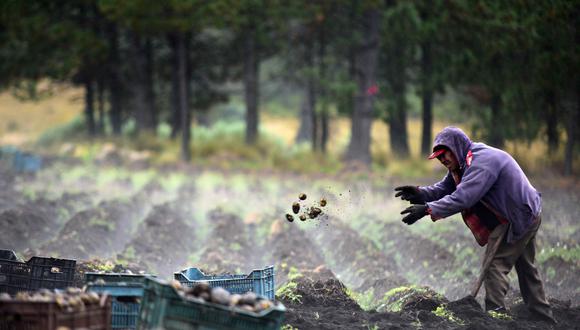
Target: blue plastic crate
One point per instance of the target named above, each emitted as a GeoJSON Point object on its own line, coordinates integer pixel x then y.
{"type": "Point", "coordinates": [259, 281]}
{"type": "Point", "coordinates": [126, 290]}
{"type": "Point", "coordinates": [26, 162]}
{"type": "Point", "coordinates": [163, 308]}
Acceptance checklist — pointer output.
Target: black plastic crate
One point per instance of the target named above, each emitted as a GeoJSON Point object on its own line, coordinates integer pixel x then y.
{"type": "Point", "coordinates": [36, 273]}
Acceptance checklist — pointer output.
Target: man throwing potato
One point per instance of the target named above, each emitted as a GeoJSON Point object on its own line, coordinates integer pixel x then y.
{"type": "Point", "coordinates": [498, 204]}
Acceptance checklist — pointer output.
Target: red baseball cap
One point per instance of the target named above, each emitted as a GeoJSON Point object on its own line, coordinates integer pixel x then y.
{"type": "Point", "coordinates": [437, 151]}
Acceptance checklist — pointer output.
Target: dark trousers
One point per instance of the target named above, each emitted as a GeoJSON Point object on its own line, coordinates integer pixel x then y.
{"type": "Point", "coordinates": [521, 255]}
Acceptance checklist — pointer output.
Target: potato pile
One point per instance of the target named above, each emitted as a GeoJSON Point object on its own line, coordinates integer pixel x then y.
{"type": "Point", "coordinates": [202, 292]}
{"type": "Point", "coordinates": [69, 300]}
{"type": "Point", "coordinates": [311, 212]}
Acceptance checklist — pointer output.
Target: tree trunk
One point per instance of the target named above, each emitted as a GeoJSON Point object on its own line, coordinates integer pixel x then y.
{"type": "Point", "coordinates": [142, 87]}
{"type": "Point", "coordinates": [427, 98]}
{"type": "Point", "coordinates": [306, 130]}
{"type": "Point", "coordinates": [101, 106]}
{"type": "Point", "coordinates": [496, 137]}
{"type": "Point", "coordinates": [183, 107]}
{"type": "Point", "coordinates": [572, 134]}
{"type": "Point", "coordinates": [366, 67]}
{"type": "Point", "coordinates": [322, 122]}
{"type": "Point", "coordinates": [114, 84]}
{"type": "Point", "coordinates": [307, 114]}
{"type": "Point", "coordinates": [398, 124]}
{"type": "Point", "coordinates": [398, 114]}
{"type": "Point", "coordinates": [551, 117]}
{"type": "Point", "coordinates": [202, 117]}
{"type": "Point", "coordinates": [149, 81]}
{"type": "Point", "coordinates": [175, 109]}
{"type": "Point", "coordinates": [251, 85]}
{"type": "Point", "coordinates": [89, 107]}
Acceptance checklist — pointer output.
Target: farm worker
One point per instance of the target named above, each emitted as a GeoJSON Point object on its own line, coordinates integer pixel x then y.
{"type": "Point", "coordinates": [497, 203]}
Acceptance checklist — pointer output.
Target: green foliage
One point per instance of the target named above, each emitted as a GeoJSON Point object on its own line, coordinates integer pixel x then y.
{"type": "Point", "coordinates": [443, 312]}
{"type": "Point", "coordinates": [288, 292]}
{"type": "Point", "coordinates": [29, 193]}
{"type": "Point", "coordinates": [129, 253]}
{"type": "Point", "coordinates": [395, 299]}
{"type": "Point", "coordinates": [67, 132]}
{"type": "Point", "coordinates": [288, 327]}
{"type": "Point", "coordinates": [366, 300]}
{"type": "Point", "coordinates": [223, 144]}
{"type": "Point", "coordinates": [409, 168]}
{"type": "Point", "coordinates": [569, 254]}
{"type": "Point", "coordinates": [168, 16]}
{"type": "Point", "coordinates": [500, 316]}
{"type": "Point", "coordinates": [101, 223]}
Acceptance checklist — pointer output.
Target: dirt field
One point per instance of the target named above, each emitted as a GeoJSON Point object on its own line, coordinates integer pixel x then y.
{"type": "Point", "coordinates": [355, 267]}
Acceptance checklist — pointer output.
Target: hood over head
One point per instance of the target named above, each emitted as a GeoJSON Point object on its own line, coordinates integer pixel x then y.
{"type": "Point", "coordinates": [455, 140]}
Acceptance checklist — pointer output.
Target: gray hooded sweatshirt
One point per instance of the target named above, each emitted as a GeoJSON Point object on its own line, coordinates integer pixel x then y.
{"type": "Point", "coordinates": [491, 176]}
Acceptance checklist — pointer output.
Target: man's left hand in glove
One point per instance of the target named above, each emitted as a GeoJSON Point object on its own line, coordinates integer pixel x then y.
{"type": "Point", "coordinates": [416, 212]}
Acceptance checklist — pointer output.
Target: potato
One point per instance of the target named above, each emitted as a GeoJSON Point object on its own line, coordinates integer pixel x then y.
{"type": "Point", "coordinates": [295, 207]}
{"type": "Point", "coordinates": [220, 296]}
{"type": "Point", "coordinates": [248, 298]}
{"type": "Point", "coordinates": [200, 288]}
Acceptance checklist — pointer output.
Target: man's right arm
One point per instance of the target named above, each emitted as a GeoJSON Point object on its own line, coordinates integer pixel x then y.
{"type": "Point", "coordinates": [439, 189]}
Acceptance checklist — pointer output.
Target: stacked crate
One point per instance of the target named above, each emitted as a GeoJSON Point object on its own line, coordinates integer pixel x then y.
{"type": "Point", "coordinates": [36, 273]}
{"type": "Point", "coordinates": [126, 289]}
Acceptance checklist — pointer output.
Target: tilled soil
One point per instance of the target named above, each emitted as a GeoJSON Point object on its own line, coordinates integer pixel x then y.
{"type": "Point", "coordinates": [23, 228]}
{"type": "Point", "coordinates": [327, 262]}
{"type": "Point", "coordinates": [290, 247]}
{"type": "Point", "coordinates": [162, 242]}
{"type": "Point", "coordinates": [356, 260]}
{"type": "Point", "coordinates": [325, 305]}
{"type": "Point", "coordinates": [96, 232]}
{"type": "Point", "coordinates": [228, 246]}
{"type": "Point", "coordinates": [426, 261]}
{"type": "Point", "coordinates": [30, 223]}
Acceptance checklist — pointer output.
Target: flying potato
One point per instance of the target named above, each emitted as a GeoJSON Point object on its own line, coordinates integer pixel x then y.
{"type": "Point", "coordinates": [295, 207]}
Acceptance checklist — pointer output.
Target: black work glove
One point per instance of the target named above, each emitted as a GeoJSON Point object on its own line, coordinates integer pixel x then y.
{"type": "Point", "coordinates": [416, 212]}
{"type": "Point", "coordinates": [411, 194]}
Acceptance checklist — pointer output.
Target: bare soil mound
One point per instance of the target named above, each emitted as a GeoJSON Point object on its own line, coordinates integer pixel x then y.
{"type": "Point", "coordinates": [289, 247]}
{"type": "Point", "coordinates": [563, 277]}
{"type": "Point", "coordinates": [357, 260]}
{"type": "Point", "coordinates": [96, 232]}
{"type": "Point", "coordinates": [162, 242]}
{"type": "Point", "coordinates": [228, 246]}
{"type": "Point", "coordinates": [324, 304]}
{"type": "Point", "coordinates": [22, 228]}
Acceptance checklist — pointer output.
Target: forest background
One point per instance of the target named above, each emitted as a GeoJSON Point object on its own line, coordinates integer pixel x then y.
{"type": "Point", "coordinates": [303, 86]}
